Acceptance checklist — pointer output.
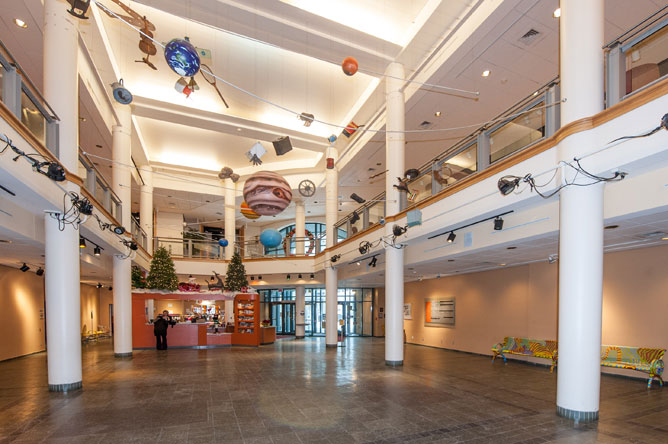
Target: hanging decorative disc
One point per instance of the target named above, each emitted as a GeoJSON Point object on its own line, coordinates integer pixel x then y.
{"type": "Point", "coordinates": [306, 188]}
{"type": "Point", "coordinates": [182, 57]}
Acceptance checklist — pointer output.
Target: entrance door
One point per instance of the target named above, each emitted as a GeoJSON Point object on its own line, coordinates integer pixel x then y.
{"type": "Point", "coordinates": [283, 317]}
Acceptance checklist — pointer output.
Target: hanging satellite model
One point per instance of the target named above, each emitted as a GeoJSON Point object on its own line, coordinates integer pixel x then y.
{"type": "Point", "coordinates": [184, 60]}
{"type": "Point", "coordinates": [255, 154]}
{"type": "Point", "coordinates": [146, 45]}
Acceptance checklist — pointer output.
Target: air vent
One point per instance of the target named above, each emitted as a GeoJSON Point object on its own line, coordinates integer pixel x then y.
{"type": "Point", "coordinates": [426, 124]}
{"type": "Point", "coordinates": [529, 37]}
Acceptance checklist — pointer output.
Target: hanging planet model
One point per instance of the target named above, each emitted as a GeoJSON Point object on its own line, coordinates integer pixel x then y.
{"type": "Point", "coordinates": [349, 66]}
{"type": "Point", "coordinates": [271, 238]}
{"type": "Point", "coordinates": [247, 212]}
{"type": "Point", "coordinates": [182, 57]}
{"type": "Point", "coordinates": [267, 193]}
{"type": "Point", "coordinates": [223, 242]}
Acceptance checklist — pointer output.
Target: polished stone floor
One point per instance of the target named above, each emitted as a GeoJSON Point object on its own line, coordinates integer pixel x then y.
{"type": "Point", "coordinates": [300, 392]}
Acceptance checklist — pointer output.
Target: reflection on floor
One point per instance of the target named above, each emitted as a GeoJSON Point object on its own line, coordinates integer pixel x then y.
{"type": "Point", "coordinates": [300, 392]}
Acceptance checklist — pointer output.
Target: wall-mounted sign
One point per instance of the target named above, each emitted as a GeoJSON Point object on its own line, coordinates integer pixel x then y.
{"type": "Point", "coordinates": [439, 312]}
{"type": "Point", "coordinates": [408, 312]}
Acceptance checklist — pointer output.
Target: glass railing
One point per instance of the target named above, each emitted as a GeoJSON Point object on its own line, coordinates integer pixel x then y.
{"type": "Point", "coordinates": [97, 186]}
{"type": "Point", "coordinates": [25, 101]}
{"type": "Point", "coordinates": [138, 233]}
{"type": "Point", "coordinates": [637, 58]}
{"type": "Point", "coordinates": [530, 120]}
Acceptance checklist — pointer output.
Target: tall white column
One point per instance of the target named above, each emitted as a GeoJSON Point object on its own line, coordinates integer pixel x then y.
{"type": "Point", "coordinates": [331, 275]}
{"type": "Point", "coordinates": [394, 258]}
{"type": "Point", "coordinates": [299, 309]}
{"type": "Point", "coordinates": [229, 311]}
{"type": "Point", "coordinates": [230, 217]}
{"type": "Point", "coordinates": [580, 217]}
{"type": "Point", "coordinates": [121, 183]}
{"type": "Point", "coordinates": [61, 251]}
{"type": "Point", "coordinates": [146, 206]}
{"type": "Point", "coordinates": [300, 227]}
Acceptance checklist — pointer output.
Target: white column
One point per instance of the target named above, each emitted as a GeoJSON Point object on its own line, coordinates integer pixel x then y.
{"type": "Point", "coordinates": [121, 184]}
{"type": "Point", "coordinates": [61, 250]}
{"type": "Point", "coordinates": [331, 275]}
{"type": "Point", "coordinates": [151, 309]}
{"type": "Point", "coordinates": [146, 205]}
{"type": "Point", "coordinates": [299, 309]}
{"type": "Point", "coordinates": [580, 217]}
{"type": "Point", "coordinates": [63, 305]}
{"type": "Point", "coordinates": [300, 227]}
{"type": "Point", "coordinates": [394, 258]}
{"type": "Point", "coordinates": [230, 216]}
{"type": "Point", "coordinates": [229, 311]}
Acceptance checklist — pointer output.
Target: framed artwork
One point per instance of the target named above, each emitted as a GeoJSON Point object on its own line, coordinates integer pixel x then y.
{"type": "Point", "coordinates": [408, 312]}
{"type": "Point", "coordinates": [439, 312]}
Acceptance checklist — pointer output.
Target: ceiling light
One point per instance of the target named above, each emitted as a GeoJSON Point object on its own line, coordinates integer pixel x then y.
{"type": "Point", "coordinates": [557, 13]}
{"type": "Point", "coordinates": [312, 276]}
{"type": "Point", "coordinates": [79, 8]}
{"type": "Point", "coordinates": [20, 23]}
{"type": "Point", "coordinates": [299, 276]}
{"type": "Point", "coordinates": [24, 267]}
{"type": "Point", "coordinates": [486, 73]}
{"type": "Point", "coordinates": [437, 114]}
{"type": "Point", "coordinates": [498, 223]}
{"type": "Point", "coordinates": [82, 242]}
{"type": "Point", "coordinates": [502, 265]}
{"type": "Point", "coordinates": [451, 237]}
{"type": "Point", "coordinates": [664, 238]}
{"type": "Point", "coordinates": [40, 271]}
{"type": "Point", "coordinates": [97, 251]}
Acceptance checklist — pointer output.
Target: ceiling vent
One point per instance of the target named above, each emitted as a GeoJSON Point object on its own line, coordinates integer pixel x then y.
{"type": "Point", "coordinates": [529, 37]}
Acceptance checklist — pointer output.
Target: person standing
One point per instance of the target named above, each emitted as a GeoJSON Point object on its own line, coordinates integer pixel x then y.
{"type": "Point", "coordinates": [160, 331]}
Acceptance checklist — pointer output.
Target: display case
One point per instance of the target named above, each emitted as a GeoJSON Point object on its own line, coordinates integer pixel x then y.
{"type": "Point", "coordinates": [246, 319]}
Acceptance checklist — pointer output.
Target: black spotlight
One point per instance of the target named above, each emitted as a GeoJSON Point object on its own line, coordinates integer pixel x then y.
{"type": "Point", "coordinates": [354, 218]}
{"type": "Point", "coordinates": [411, 174]}
{"type": "Point", "coordinates": [83, 205]}
{"type": "Point", "coordinates": [259, 278]}
{"type": "Point", "coordinates": [373, 262]}
{"type": "Point", "coordinates": [111, 288]}
{"type": "Point", "coordinates": [451, 237]}
{"type": "Point", "coordinates": [398, 231]}
{"type": "Point", "coordinates": [119, 230]}
{"type": "Point", "coordinates": [24, 267]}
{"type": "Point", "coordinates": [288, 277]}
{"type": "Point", "coordinates": [99, 285]}
{"type": "Point", "coordinates": [40, 271]}
{"type": "Point", "coordinates": [299, 276]}
{"type": "Point", "coordinates": [82, 242]}
{"type": "Point", "coordinates": [364, 247]}
{"type": "Point", "coordinates": [55, 172]}
{"type": "Point", "coordinates": [335, 258]}
{"type": "Point", "coordinates": [507, 184]}
{"type": "Point", "coordinates": [133, 246]}
{"type": "Point", "coordinates": [97, 251]}
{"type": "Point", "coordinates": [498, 223]}
{"type": "Point", "coordinates": [79, 8]}
{"type": "Point", "coordinates": [357, 198]}
{"type": "Point", "coordinates": [312, 276]}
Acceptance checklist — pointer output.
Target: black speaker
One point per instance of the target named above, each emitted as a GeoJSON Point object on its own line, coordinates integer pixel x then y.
{"type": "Point", "coordinates": [282, 145]}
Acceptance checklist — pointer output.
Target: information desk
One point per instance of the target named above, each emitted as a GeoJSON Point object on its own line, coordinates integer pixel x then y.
{"type": "Point", "coordinates": [180, 335]}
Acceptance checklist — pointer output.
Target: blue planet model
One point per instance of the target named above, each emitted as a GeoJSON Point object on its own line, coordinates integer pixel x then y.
{"type": "Point", "coordinates": [223, 242]}
{"type": "Point", "coordinates": [271, 238]}
{"type": "Point", "coordinates": [182, 57]}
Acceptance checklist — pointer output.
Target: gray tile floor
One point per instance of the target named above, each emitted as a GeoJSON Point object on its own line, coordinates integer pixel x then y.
{"type": "Point", "coordinates": [299, 392]}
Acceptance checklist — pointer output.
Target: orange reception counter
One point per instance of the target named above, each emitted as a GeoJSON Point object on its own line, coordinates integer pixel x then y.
{"type": "Point", "coordinates": [198, 335]}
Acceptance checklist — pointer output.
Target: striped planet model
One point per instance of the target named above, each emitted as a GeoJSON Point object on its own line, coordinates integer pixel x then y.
{"type": "Point", "coordinates": [267, 193]}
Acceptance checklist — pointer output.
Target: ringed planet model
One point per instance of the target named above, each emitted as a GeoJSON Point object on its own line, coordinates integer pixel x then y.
{"type": "Point", "coordinates": [267, 193]}
{"type": "Point", "coordinates": [247, 212]}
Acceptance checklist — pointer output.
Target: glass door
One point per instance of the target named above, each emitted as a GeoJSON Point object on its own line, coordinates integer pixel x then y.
{"type": "Point", "coordinates": [283, 317]}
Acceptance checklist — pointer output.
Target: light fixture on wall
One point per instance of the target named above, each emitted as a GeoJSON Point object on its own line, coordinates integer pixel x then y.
{"type": "Point", "coordinates": [451, 237]}
{"type": "Point", "coordinates": [398, 230]}
{"type": "Point", "coordinates": [364, 247]}
{"type": "Point", "coordinates": [40, 271]}
{"type": "Point", "coordinates": [498, 223]}
{"type": "Point", "coordinates": [24, 267]}
{"type": "Point", "coordinates": [335, 258]}
{"type": "Point", "coordinates": [507, 184]}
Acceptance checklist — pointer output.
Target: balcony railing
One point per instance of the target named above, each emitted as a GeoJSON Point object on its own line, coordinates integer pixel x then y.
{"type": "Point", "coordinates": [99, 188]}
{"type": "Point", "coordinates": [139, 234]}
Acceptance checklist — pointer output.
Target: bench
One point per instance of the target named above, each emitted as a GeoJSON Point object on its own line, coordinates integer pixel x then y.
{"type": "Point", "coordinates": [646, 360]}
{"type": "Point", "coordinates": [526, 347]}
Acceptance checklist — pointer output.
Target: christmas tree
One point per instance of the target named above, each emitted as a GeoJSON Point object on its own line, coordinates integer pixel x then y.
{"type": "Point", "coordinates": [138, 279]}
{"type": "Point", "coordinates": [162, 275]}
{"type": "Point", "coordinates": [236, 274]}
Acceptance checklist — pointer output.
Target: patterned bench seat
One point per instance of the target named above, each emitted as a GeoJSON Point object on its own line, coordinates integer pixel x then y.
{"type": "Point", "coordinates": [646, 360]}
{"type": "Point", "coordinates": [527, 347]}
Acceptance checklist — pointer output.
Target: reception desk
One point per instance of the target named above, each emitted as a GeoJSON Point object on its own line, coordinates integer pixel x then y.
{"type": "Point", "coordinates": [180, 335]}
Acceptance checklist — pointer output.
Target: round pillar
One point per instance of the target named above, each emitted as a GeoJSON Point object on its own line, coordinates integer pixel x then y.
{"type": "Point", "coordinates": [300, 228]}
{"type": "Point", "coordinates": [299, 309]}
{"type": "Point", "coordinates": [394, 258]}
{"type": "Point", "coordinates": [331, 274]}
{"type": "Point", "coordinates": [331, 305]}
{"type": "Point", "coordinates": [146, 206]}
{"type": "Point", "coordinates": [230, 217]}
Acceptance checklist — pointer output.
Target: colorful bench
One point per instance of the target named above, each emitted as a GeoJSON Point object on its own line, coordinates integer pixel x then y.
{"type": "Point", "coordinates": [646, 360]}
{"type": "Point", "coordinates": [527, 347]}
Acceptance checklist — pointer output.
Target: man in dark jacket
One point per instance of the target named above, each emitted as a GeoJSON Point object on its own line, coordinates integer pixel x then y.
{"type": "Point", "coordinates": [160, 331]}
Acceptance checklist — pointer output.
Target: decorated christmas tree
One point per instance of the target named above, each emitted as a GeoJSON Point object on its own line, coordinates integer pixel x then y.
{"type": "Point", "coordinates": [162, 275]}
{"type": "Point", "coordinates": [236, 274]}
{"type": "Point", "coordinates": [138, 279]}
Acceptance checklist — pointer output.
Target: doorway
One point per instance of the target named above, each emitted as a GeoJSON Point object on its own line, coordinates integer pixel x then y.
{"type": "Point", "coordinates": [283, 317]}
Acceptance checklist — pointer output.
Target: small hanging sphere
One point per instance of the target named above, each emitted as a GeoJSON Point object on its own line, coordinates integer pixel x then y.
{"type": "Point", "coordinates": [223, 242]}
{"type": "Point", "coordinates": [271, 238]}
{"type": "Point", "coordinates": [247, 212]}
{"type": "Point", "coordinates": [182, 57]}
{"type": "Point", "coordinates": [349, 66]}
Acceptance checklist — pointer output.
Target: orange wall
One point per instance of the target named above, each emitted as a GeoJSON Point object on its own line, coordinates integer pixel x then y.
{"type": "Point", "coordinates": [21, 305]}
{"type": "Point", "coordinates": [90, 304]}
{"type": "Point", "coordinates": [106, 298]}
{"type": "Point", "coordinates": [522, 301]}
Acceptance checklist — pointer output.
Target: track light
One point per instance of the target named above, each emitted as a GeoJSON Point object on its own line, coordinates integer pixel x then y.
{"type": "Point", "coordinates": [357, 198]}
{"type": "Point", "coordinates": [288, 277]}
{"type": "Point", "coordinates": [451, 237]}
{"type": "Point", "coordinates": [312, 276]}
{"type": "Point", "coordinates": [398, 230]}
{"type": "Point", "coordinates": [335, 258]}
{"type": "Point", "coordinates": [118, 230]}
{"type": "Point", "coordinates": [40, 271]}
{"type": "Point", "coordinates": [24, 267]}
{"type": "Point", "coordinates": [507, 184]}
{"type": "Point", "coordinates": [82, 242]}
{"type": "Point", "coordinates": [97, 251]}
{"type": "Point", "coordinates": [373, 262]}
{"type": "Point", "coordinates": [354, 218]}
{"type": "Point", "coordinates": [498, 223]}
{"type": "Point", "coordinates": [299, 276]}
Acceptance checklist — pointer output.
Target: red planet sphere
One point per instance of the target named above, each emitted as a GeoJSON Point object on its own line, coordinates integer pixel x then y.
{"type": "Point", "coordinates": [349, 66]}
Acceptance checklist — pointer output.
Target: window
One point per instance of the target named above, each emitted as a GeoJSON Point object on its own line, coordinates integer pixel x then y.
{"type": "Point", "coordinates": [517, 133]}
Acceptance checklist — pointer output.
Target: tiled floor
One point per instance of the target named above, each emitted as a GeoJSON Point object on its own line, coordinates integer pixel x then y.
{"type": "Point", "coordinates": [299, 392]}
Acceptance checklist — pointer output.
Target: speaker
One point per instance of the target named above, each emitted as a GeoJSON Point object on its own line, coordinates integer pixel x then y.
{"type": "Point", "coordinates": [282, 145]}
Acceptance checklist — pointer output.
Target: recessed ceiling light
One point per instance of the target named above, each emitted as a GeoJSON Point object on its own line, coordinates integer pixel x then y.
{"type": "Point", "coordinates": [238, 129]}
{"type": "Point", "coordinates": [502, 264]}
{"type": "Point", "coordinates": [437, 114]}
{"type": "Point", "coordinates": [20, 23]}
{"type": "Point", "coordinates": [486, 73]}
{"type": "Point", "coordinates": [557, 13]}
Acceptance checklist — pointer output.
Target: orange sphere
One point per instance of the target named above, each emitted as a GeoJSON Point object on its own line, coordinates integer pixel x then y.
{"type": "Point", "coordinates": [349, 66]}
{"type": "Point", "coordinates": [247, 212]}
